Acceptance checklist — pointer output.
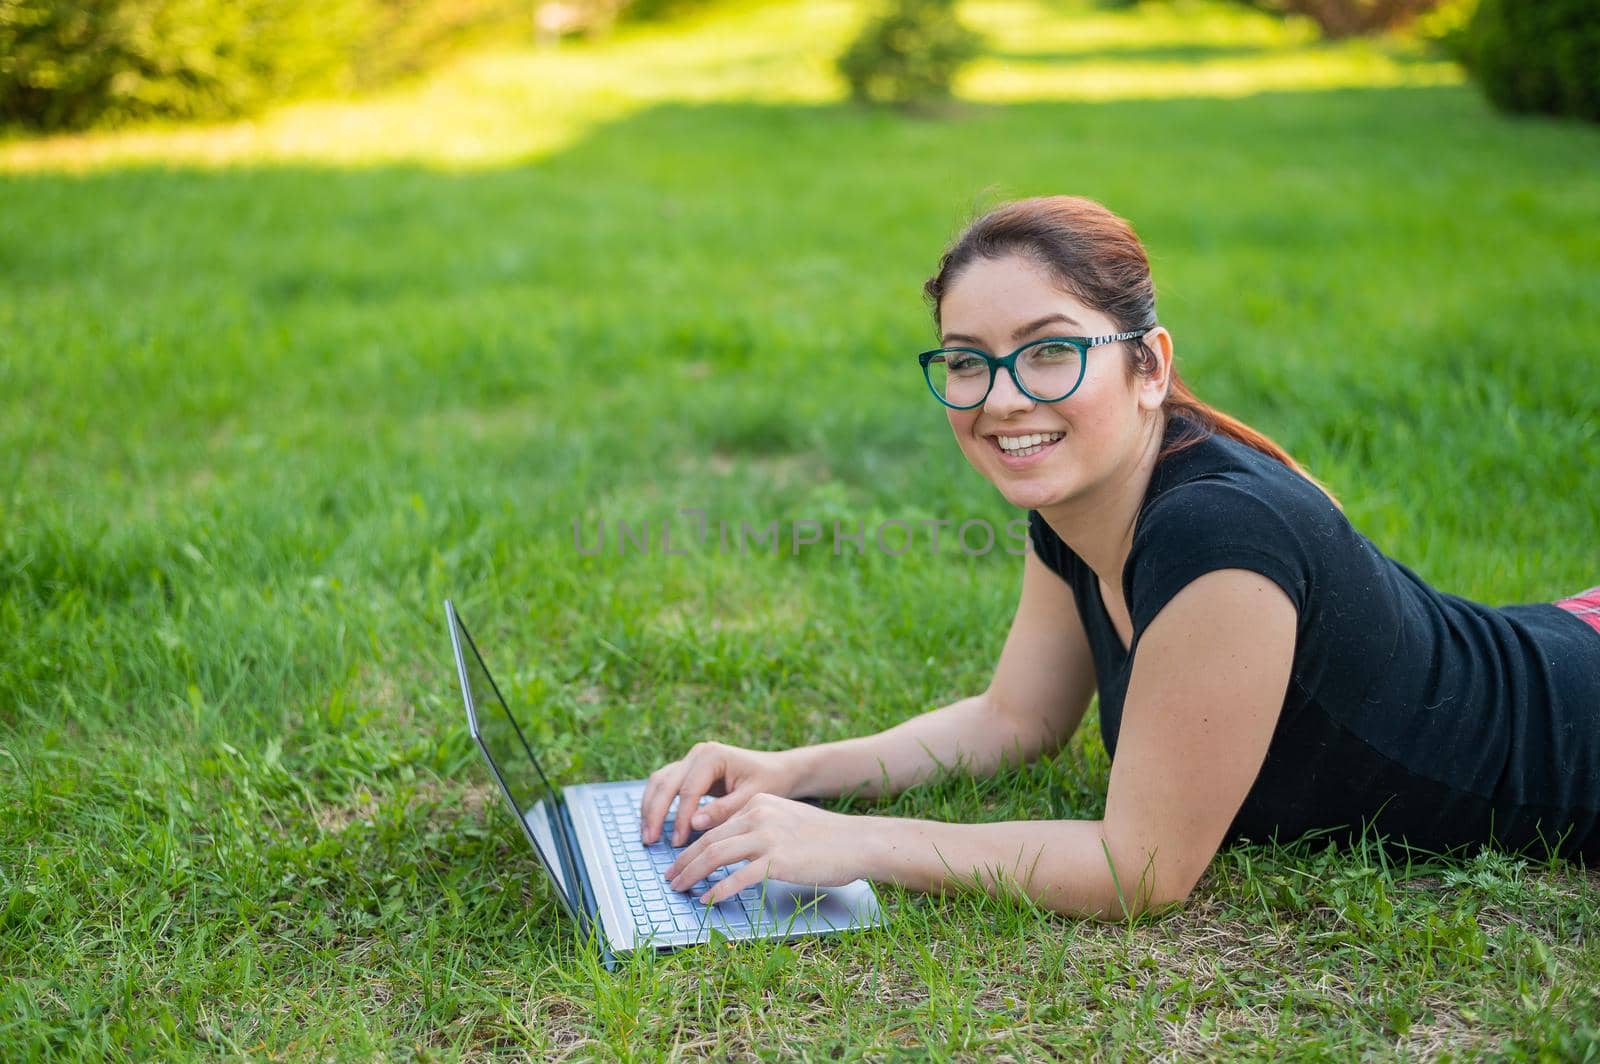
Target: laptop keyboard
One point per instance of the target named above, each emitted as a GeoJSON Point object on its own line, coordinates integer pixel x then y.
{"type": "Point", "coordinates": [656, 907]}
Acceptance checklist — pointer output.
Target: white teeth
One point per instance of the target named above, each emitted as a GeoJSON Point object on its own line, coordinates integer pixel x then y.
{"type": "Point", "coordinates": [1025, 445]}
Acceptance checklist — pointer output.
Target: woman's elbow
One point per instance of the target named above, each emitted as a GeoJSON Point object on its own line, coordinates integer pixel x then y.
{"type": "Point", "coordinates": [1111, 905]}
{"type": "Point", "coordinates": [1146, 888]}
{"type": "Point", "coordinates": [1120, 910]}
{"type": "Point", "coordinates": [1091, 873]}
{"type": "Point", "coordinates": [1156, 905]}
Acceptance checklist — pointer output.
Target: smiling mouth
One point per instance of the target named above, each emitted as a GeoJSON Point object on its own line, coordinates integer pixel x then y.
{"type": "Point", "coordinates": [1022, 446]}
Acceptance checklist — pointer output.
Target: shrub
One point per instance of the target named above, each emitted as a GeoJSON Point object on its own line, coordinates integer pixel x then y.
{"type": "Point", "coordinates": [1537, 57]}
{"type": "Point", "coordinates": [910, 54]}
{"type": "Point", "coordinates": [66, 64]}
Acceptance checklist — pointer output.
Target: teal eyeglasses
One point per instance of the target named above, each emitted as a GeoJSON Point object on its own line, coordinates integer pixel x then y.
{"type": "Point", "coordinates": [1046, 371]}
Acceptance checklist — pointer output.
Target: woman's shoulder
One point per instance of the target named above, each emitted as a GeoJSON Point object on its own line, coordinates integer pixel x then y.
{"type": "Point", "coordinates": [1219, 504]}
{"type": "Point", "coordinates": [1226, 490]}
{"type": "Point", "coordinates": [1215, 460]}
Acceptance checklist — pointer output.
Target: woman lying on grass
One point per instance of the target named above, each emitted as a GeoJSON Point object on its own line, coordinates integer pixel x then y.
{"type": "Point", "coordinates": [1263, 670]}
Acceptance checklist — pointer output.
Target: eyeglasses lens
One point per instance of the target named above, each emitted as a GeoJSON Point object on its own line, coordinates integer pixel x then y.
{"type": "Point", "coordinates": [1050, 371]}
{"type": "Point", "coordinates": [1047, 371]}
{"type": "Point", "coordinates": [961, 377]}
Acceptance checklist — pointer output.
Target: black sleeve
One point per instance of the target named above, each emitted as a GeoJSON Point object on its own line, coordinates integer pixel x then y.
{"type": "Point", "coordinates": [1203, 526]}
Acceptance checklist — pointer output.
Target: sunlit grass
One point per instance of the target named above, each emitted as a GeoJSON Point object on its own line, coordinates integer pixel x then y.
{"type": "Point", "coordinates": [519, 103]}
{"type": "Point", "coordinates": [1108, 77]}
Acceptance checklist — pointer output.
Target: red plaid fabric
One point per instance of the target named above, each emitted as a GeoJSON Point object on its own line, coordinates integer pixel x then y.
{"type": "Point", "coordinates": [1585, 607]}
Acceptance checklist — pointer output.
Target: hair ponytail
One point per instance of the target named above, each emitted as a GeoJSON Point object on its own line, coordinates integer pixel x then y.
{"type": "Point", "coordinates": [1208, 420]}
{"type": "Point", "coordinates": [1095, 255]}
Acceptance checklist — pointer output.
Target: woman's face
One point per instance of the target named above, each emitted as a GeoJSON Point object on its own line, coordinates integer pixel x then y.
{"type": "Point", "coordinates": [1091, 437]}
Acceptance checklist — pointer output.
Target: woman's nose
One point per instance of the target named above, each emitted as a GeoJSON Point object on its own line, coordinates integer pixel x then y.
{"type": "Point", "coordinates": [1005, 397]}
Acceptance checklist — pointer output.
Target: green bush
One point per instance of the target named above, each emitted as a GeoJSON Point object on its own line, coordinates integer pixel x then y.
{"type": "Point", "coordinates": [910, 54]}
{"type": "Point", "coordinates": [67, 64]}
{"type": "Point", "coordinates": [1538, 57]}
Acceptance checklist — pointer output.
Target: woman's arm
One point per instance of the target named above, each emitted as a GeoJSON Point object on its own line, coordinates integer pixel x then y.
{"type": "Point", "coordinates": [1208, 684]}
{"type": "Point", "coordinates": [1034, 703]}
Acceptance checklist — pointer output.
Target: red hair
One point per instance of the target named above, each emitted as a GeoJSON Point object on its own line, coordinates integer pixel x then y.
{"type": "Point", "coordinates": [1096, 256]}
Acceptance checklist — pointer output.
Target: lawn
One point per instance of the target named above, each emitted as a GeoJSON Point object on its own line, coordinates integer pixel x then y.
{"type": "Point", "coordinates": [270, 391]}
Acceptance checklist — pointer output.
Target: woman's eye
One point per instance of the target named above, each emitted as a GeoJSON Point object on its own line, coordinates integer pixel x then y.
{"type": "Point", "coordinates": [963, 364]}
{"type": "Point", "coordinates": [1054, 352]}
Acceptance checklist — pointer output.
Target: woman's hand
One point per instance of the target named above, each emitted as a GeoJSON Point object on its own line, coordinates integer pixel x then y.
{"type": "Point", "coordinates": [782, 839]}
{"type": "Point", "coordinates": [732, 773]}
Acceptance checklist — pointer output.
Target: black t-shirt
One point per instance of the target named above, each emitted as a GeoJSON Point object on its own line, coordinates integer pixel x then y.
{"type": "Point", "coordinates": [1439, 721]}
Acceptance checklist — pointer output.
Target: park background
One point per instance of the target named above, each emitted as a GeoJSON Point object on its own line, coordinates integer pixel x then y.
{"type": "Point", "coordinates": [272, 387]}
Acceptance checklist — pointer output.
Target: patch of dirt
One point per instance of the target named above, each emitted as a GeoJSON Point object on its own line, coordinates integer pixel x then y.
{"type": "Point", "coordinates": [378, 687]}
{"type": "Point", "coordinates": [776, 470]}
{"type": "Point", "coordinates": [429, 798]}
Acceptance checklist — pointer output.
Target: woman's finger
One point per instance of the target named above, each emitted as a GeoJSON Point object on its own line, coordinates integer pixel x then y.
{"type": "Point", "coordinates": [711, 858]}
{"type": "Point", "coordinates": [703, 772]}
{"type": "Point", "coordinates": [698, 847]}
{"type": "Point", "coordinates": [711, 814]}
{"type": "Point", "coordinates": [752, 873]}
{"type": "Point", "coordinates": [659, 790]}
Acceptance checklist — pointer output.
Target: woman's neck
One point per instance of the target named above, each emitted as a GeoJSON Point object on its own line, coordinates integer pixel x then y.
{"type": "Point", "coordinates": [1098, 525]}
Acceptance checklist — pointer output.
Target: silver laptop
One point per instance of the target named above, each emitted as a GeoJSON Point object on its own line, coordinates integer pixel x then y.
{"type": "Point", "coordinates": [586, 838]}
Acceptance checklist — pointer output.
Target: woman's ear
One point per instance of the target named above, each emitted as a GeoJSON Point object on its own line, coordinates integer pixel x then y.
{"type": "Point", "coordinates": [1156, 380]}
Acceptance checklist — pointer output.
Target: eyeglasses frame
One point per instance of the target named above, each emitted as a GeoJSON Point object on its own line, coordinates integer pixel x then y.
{"type": "Point", "coordinates": [1009, 362]}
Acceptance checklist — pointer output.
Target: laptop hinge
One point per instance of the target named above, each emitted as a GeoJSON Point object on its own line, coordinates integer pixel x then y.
{"type": "Point", "coordinates": [584, 902]}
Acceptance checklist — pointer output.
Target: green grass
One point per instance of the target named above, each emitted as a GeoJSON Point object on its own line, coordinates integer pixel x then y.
{"type": "Point", "coordinates": [268, 393]}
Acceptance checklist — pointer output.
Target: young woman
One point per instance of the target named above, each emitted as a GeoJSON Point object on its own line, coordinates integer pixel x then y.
{"type": "Point", "coordinates": [1263, 670]}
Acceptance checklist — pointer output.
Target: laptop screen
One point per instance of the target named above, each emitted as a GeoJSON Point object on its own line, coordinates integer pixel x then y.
{"type": "Point", "coordinates": [510, 758]}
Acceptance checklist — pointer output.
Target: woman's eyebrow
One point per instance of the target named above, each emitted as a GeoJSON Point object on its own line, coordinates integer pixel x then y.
{"type": "Point", "coordinates": [1016, 336]}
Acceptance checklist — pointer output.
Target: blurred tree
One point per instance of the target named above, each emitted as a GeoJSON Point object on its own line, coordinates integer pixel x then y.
{"type": "Point", "coordinates": [909, 54]}
{"type": "Point", "coordinates": [1539, 57]}
{"type": "Point", "coordinates": [66, 64]}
